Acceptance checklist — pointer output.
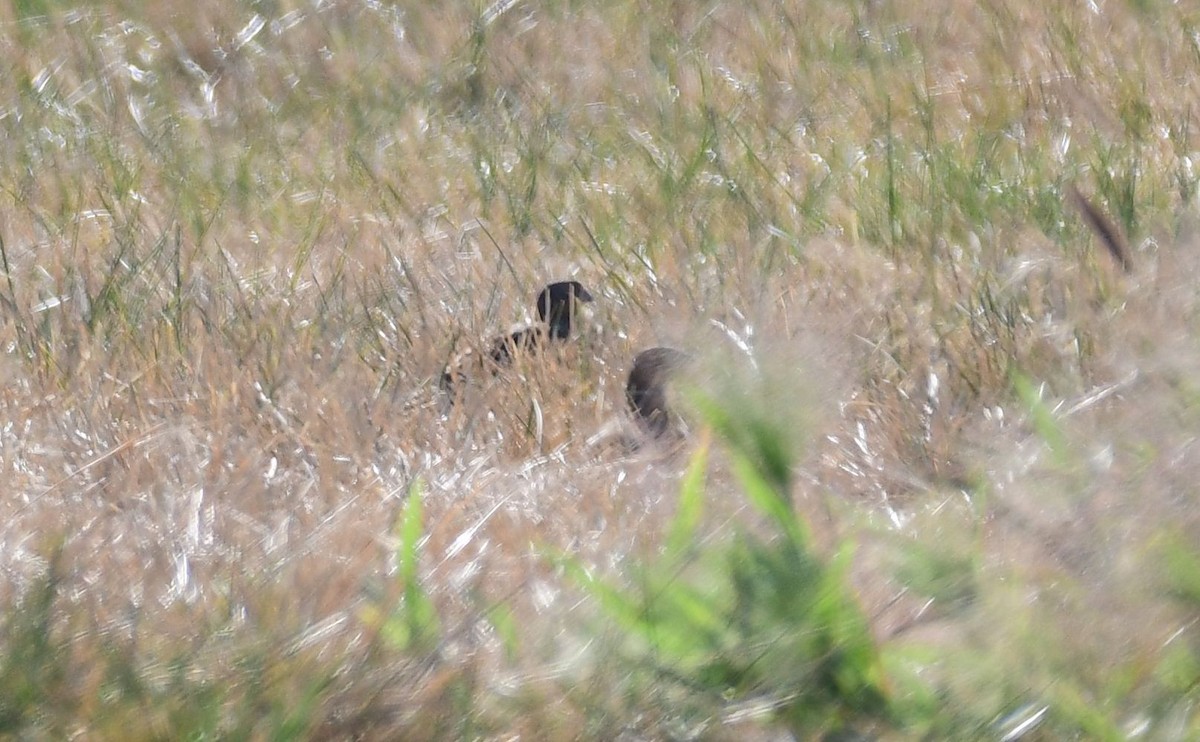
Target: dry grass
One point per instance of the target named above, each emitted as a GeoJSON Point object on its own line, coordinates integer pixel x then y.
{"type": "Point", "coordinates": [239, 244]}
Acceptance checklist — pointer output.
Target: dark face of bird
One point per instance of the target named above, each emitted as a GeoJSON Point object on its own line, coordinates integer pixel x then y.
{"type": "Point", "coordinates": [556, 306]}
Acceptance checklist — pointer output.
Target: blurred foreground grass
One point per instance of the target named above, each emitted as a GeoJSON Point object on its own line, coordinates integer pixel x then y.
{"type": "Point", "coordinates": [943, 482]}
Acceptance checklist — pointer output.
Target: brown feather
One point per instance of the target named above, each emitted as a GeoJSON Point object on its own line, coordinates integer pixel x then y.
{"type": "Point", "coordinates": [1104, 229]}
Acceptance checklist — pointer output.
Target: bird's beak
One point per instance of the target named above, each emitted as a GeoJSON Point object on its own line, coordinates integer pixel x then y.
{"type": "Point", "coordinates": [583, 295]}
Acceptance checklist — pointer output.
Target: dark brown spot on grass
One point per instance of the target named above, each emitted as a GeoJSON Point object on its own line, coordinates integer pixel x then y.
{"type": "Point", "coordinates": [1104, 228]}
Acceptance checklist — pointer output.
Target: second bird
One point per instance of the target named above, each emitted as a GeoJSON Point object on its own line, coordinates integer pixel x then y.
{"type": "Point", "coordinates": [646, 388]}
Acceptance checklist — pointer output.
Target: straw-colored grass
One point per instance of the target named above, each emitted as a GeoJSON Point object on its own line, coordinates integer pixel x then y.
{"type": "Point", "coordinates": [240, 242]}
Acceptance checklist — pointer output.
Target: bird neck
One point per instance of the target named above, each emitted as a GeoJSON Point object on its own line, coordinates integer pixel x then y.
{"type": "Point", "coordinates": [559, 321]}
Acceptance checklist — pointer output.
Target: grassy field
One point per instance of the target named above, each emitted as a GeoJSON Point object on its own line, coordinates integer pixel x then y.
{"type": "Point", "coordinates": [943, 473]}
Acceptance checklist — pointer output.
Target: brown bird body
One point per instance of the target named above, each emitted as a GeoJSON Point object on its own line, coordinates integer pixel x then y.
{"type": "Point", "coordinates": [646, 388]}
{"type": "Point", "coordinates": [556, 310]}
